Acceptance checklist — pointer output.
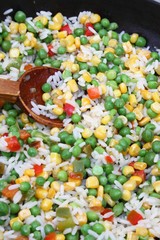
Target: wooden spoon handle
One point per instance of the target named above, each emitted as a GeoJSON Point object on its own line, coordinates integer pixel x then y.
{"type": "Point", "coordinates": [9, 90]}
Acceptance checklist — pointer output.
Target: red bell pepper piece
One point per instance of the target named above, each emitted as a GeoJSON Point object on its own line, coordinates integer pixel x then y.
{"type": "Point", "coordinates": [76, 176]}
{"type": "Point", "coordinates": [141, 174]}
{"type": "Point", "coordinates": [38, 169]}
{"type": "Point", "coordinates": [88, 32]}
{"type": "Point", "coordinates": [69, 109]}
{"type": "Point", "coordinates": [24, 135]}
{"type": "Point", "coordinates": [134, 217]}
{"type": "Point", "coordinates": [109, 159]}
{"type": "Point", "coordinates": [131, 164]}
{"type": "Point", "coordinates": [9, 193]}
{"type": "Point", "coordinates": [50, 52]}
{"type": "Point", "coordinates": [66, 28]}
{"type": "Point", "coordinates": [13, 144]}
{"type": "Point", "coordinates": [93, 92]}
{"type": "Point", "coordinates": [50, 236]}
{"type": "Point", "coordinates": [107, 210]}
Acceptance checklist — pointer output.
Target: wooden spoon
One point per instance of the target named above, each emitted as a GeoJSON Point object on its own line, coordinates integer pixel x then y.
{"type": "Point", "coordinates": [22, 91]}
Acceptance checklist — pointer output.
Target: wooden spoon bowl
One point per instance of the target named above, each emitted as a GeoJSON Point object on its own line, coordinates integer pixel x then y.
{"type": "Point", "coordinates": [29, 88]}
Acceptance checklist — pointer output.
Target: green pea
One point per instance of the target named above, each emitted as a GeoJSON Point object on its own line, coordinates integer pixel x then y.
{"type": "Point", "coordinates": [98, 228]}
{"type": "Point", "coordinates": [143, 237]}
{"type": "Point", "coordinates": [122, 179]}
{"type": "Point", "coordinates": [92, 216]}
{"type": "Point", "coordinates": [92, 192]}
{"type": "Point", "coordinates": [55, 148]}
{"type": "Point", "coordinates": [63, 136]}
{"type": "Point", "coordinates": [115, 194]}
{"type": "Point", "coordinates": [111, 74]}
{"type": "Point", "coordinates": [48, 228]}
{"type": "Point", "coordinates": [56, 63]}
{"type": "Point", "coordinates": [151, 77]}
{"type": "Point", "coordinates": [158, 164]}
{"type": "Point", "coordinates": [4, 209]}
{"type": "Point", "coordinates": [125, 37]}
{"type": "Point", "coordinates": [46, 87]}
{"type": "Point", "coordinates": [83, 66]}
{"type": "Point", "coordinates": [32, 151]}
{"type": "Point", "coordinates": [97, 26]}
{"type": "Point", "coordinates": [111, 178]}
{"type": "Point", "coordinates": [42, 54]}
{"type": "Point", "coordinates": [39, 24]}
{"type": "Point", "coordinates": [125, 97]}
{"type": "Point", "coordinates": [25, 187]}
{"type": "Point", "coordinates": [38, 62]}
{"type": "Point", "coordinates": [154, 55]}
{"type": "Point", "coordinates": [150, 126]}
{"type": "Point", "coordinates": [131, 116]}
{"type": "Point", "coordinates": [83, 40]}
{"type": "Point", "coordinates": [76, 151]}
{"type": "Point", "coordinates": [123, 143]}
{"type": "Point", "coordinates": [48, 39]}
{"type": "Point", "coordinates": [66, 73]}
{"type": "Point", "coordinates": [93, 70]}
{"type": "Point", "coordinates": [108, 168]}
{"type": "Point", "coordinates": [20, 17]}
{"type": "Point", "coordinates": [6, 45]}
{"type": "Point", "coordinates": [25, 230]}
{"type": "Point", "coordinates": [155, 195]}
{"type": "Point", "coordinates": [87, 162]}
{"type": "Point", "coordinates": [84, 229]}
{"type": "Point", "coordinates": [103, 180]}
{"type": "Point", "coordinates": [110, 56]}
{"type": "Point", "coordinates": [102, 32]}
{"type": "Point", "coordinates": [34, 225]}
{"type": "Point", "coordinates": [95, 83]}
{"type": "Point", "coordinates": [62, 176]}
{"type": "Point", "coordinates": [37, 235]}
{"type": "Point", "coordinates": [118, 209]}
{"type": "Point", "coordinates": [70, 140]}
{"type": "Point", "coordinates": [97, 170]}
{"type": "Point", "coordinates": [119, 103]}
{"type": "Point", "coordinates": [105, 40]}
{"type": "Point", "coordinates": [113, 26]}
{"type": "Point", "coordinates": [147, 135]}
{"type": "Point", "coordinates": [91, 141]}
{"type": "Point", "coordinates": [152, 85]}
{"type": "Point", "coordinates": [78, 32]}
{"type": "Point", "coordinates": [16, 226]}
{"type": "Point", "coordinates": [66, 154]}
{"type": "Point", "coordinates": [124, 131]}
{"type": "Point", "coordinates": [119, 50]}
{"type": "Point", "coordinates": [14, 208]}
{"type": "Point", "coordinates": [40, 181]}
{"type": "Point", "coordinates": [118, 123]}
{"type": "Point", "coordinates": [156, 146]}
{"type": "Point", "coordinates": [109, 105]}
{"type": "Point", "coordinates": [35, 211]}
{"type": "Point", "coordinates": [76, 118]}
{"type": "Point", "coordinates": [61, 50]}
{"type": "Point", "coordinates": [10, 121]}
{"type": "Point", "coordinates": [105, 22]}
{"type": "Point", "coordinates": [96, 46]}
{"type": "Point", "coordinates": [13, 113]}
{"type": "Point", "coordinates": [148, 103]}
{"type": "Point", "coordinates": [102, 67]}
{"type": "Point", "coordinates": [89, 237]}
{"type": "Point", "coordinates": [122, 111]}
{"type": "Point", "coordinates": [149, 158]}
{"type": "Point", "coordinates": [119, 148]}
{"type": "Point", "coordinates": [141, 42]}
{"type": "Point", "coordinates": [107, 188]}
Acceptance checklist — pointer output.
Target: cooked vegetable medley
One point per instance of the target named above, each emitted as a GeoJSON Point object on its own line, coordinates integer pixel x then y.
{"type": "Point", "coordinates": [98, 177]}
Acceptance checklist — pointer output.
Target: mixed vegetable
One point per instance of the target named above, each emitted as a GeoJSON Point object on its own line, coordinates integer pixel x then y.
{"type": "Point", "coordinates": [99, 176]}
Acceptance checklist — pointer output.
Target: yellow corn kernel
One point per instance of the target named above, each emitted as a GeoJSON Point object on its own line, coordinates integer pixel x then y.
{"type": "Point", "coordinates": [134, 37]}
{"type": "Point", "coordinates": [117, 93]}
{"type": "Point", "coordinates": [82, 218]}
{"type": "Point", "coordinates": [82, 57]}
{"type": "Point", "coordinates": [147, 146]}
{"type": "Point", "coordinates": [86, 133]}
{"type": "Point", "coordinates": [54, 26]}
{"type": "Point", "coordinates": [13, 27]}
{"type": "Point", "coordinates": [74, 68]}
{"type": "Point", "coordinates": [155, 171]}
{"type": "Point", "coordinates": [92, 182]}
{"type": "Point", "coordinates": [76, 181]}
{"type": "Point", "coordinates": [69, 186]}
{"type": "Point", "coordinates": [29, 172]}
{"type": "Point", "coordinates": [146, 94]}
{"type": "Point", "coordinates": [123, 88]}
{"type": "Point", "coordinates": [69, 40]}
{"type": "Point", "coordinates": [143, 52]}
{"type": "Point", "coordinates": [77, 42]}
{"type": "Point", "coordinates": [83, 19]}
{"type": "Point", "coordinates": [156, 186]}
{"type": "Point", "coordinates": [94, 18]}
{"type": "Point", "coordinates": [94, 39]}
{"type": "Point", "coordinates": [134, 150]}
{"type": "Point", "coordinates": [55, 157]}
{"type": "Point", "coordinates": [138, 113]}
{"type": "Point", "coordinates": [57, 111]}
{"type": "Point", "coordinates": [46, 96]}
{"type": "Point", "coordinates": [72, 85]}
{"type": "Point", "coordinates": [24, 213]}
{"type": "Point", "coordinates": [55, 185]}
{"type": "Point", "coordinates": [60, 236]}
{"type": "Point", "coordinates": [67, 95]}
{"type": "Point", "coordinates": [44, 174]}
{"type": "Point", "coordinates": [41, 193]}
{"type": "Point", "coordinates": [158, 69]}
{"type": "Point", "coordinates": [54, 130]}
{"type": "Point", "coordinates": [137, 179]}
{"type": "Point", "coordinates": [2, 56]}
{"type": "Point", "coordinates": [95, 60]}
{"type": "Point", "coordinates": [156, 97]}
{"type": "Point", "coordinates": [42, 19]}
{"type": "Point", "coordinates": [62, 34]}
{"type": "Point", "coordinates": [144, 121]}
{"type": "Point", "coordinates": [155, 107]}
{"type": "Point", "coordinates": [126, 195]}
{"type": "Point", "coordinates": [85, 101]}
{"type": "Point", "coordinates": [87, 77]}
{"type": "Point", "coordinates": [129, 107]}
{"type": "Point", "coordinates": [58, 18]}
{"type": "Point", "coordinates": [13, 220]}
{"type": "Point", "coordinates": [101, 76]}
{"type": "Point", "coordinates": [27, 43]}
{"type": "Point", "coordinates": [100, 132]}
{"type": "Point", "coordinates": [112, 43]}
{"type": "Point", "coordinates": [128, 170]}
{"type": "Point", "coordinates": [140, 165]}
{"type": "Point", "coordinates": [46, 204]}
{"type": "Point", "coordinates": [100, 191]}
{"type": "Point", "coordinates": [146, 205]}
{"type": "Point", "coordinates": [56, 92]}
{"type": "Point", "coordinates": [95, 203]}
{"type": "Point", "coordinates": [109, 49]}
{"type": "Point", "coordinates": [157, 119]}
{"type": "Point", "coordinates": [2, 117]}
{"type": "Point", "coordinates": [107, 224]}
{"type": "Point", "coordinates": [33, 42]}
{"type": "Point", "coordinates": [68, 168]}
{"type": "Point", "coordinates": [69, 128]}
{"type": "Point", "coordinates": [71, 48]}
{"type": "Point", "coordinates": [156, 138]}
{"type": "Point", "coordinates": [127, 46]}
{"type": "Point", "coordinates": [55, 172]}
{"type": "Point", "coordinates": [132, 236]}
{"type": "Point", "coordinates": [51, 193]}
{"type": "Point", "coordinates": [14, 52]}
{"type": "Point", "coordinates": [113, 142]}
{"type": "Point", "coordinates": [105, 120]}
{"type": "Point", "coordinates": [22, 28]}
{"type": "Point", "coordinates": [132, 100]}
{"type": "Point", "coordinates": [109, 200]}
{"type": "Point", "coordinates": [129, 185]}
{"type": "Point", "coordinates": [22, 179]}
